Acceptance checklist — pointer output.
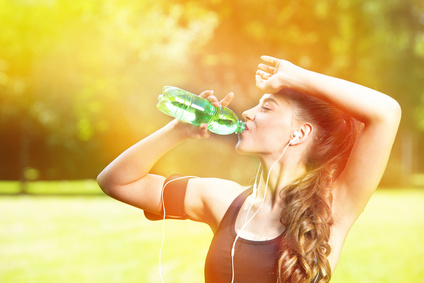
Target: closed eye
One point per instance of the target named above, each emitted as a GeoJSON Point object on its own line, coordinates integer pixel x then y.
{"type": "Point", "coordinates": [265, 107]}
{"type": "Point", "coordinates": [267, 104]}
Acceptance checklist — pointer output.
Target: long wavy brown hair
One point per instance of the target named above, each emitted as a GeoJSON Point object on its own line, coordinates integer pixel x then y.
{"type": "Point", "coordinates": [307, 214]}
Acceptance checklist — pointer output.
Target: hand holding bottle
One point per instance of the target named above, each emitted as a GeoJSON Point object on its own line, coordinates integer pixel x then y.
{"type": "Point", "coordinates": [200, 110]}
{"type": "Point", "coordinates": [200, 132]}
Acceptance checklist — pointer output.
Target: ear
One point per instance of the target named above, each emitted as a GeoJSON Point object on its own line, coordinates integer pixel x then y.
{"type": "Point", "coordinates": [302, 134]}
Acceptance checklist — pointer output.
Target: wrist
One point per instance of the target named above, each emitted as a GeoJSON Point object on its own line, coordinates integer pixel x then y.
{"type": "Point", "coordinates": [177, 130]}
{"type": "Point", "coordinates": [301, 79]}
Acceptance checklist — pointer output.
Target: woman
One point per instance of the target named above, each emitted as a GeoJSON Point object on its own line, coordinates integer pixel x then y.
{"type": "Point", "coordinates": [323, 144]}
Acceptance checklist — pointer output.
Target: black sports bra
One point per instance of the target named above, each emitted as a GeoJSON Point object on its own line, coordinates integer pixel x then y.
{"type": "Point", "coordinates": [254, 261]}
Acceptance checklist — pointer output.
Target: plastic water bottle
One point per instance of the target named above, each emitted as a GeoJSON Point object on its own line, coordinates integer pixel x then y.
{"type": "Point", "coordinates": [197, 110]}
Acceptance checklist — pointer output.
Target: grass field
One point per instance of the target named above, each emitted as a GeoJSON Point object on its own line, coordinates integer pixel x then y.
{"type": "Point", "coordinates": [97, 239]}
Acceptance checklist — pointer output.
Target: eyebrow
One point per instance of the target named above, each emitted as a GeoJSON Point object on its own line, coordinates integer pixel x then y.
{"type": "Point", "coordinates": [269, 99]}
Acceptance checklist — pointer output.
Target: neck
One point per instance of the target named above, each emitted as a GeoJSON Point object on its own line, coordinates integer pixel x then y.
{"type": "Point", "coordinates": [275, 177]}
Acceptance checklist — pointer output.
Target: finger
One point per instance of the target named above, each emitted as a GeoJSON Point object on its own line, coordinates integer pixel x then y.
{"type": "Point", "coordinates": [227, 99]}
{"type": "Point", "coordinates": [269, 59]}
{"type": "Point", "coordinates": [263, 75]}
{"type": "Point", "coordinates": [266, 68]}
{"type": "Point", "coordinates": [212, 99]}
{"type": "Point", "coordinates": [204, 127]}
{"type": "Point", "coordinates": [206, 93]}
{"type": "Point", "coordinates": [259, 81]}
{"type": "Point", "coordinates": [204, 132]}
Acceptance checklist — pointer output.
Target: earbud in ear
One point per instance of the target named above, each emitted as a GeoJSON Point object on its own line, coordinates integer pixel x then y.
{"type": "Point", "coordinates": [296, 135]}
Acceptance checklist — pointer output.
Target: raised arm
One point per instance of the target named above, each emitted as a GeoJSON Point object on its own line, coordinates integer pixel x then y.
{"type": "Point", "coordinates": [127, 178]}
{"type": "Point", "coordinates": [379, 113]}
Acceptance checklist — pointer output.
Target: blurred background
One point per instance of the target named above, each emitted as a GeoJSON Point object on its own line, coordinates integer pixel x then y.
{"type": "Point", "coordinates": [79, 81]}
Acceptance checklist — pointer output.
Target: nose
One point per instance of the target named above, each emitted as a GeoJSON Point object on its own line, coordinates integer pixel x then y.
{"type": "Point", "coordinates": [249, 114]}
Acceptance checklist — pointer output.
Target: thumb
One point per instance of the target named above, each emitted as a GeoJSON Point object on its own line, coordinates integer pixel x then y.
{"type": "Point", "coordinates": [227, 99]}
{"type": "Point", "coordinates": [260, 83]}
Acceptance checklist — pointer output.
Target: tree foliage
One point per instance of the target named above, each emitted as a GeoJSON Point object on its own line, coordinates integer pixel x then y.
{"type": "Point", "coordinates": [79, 79]}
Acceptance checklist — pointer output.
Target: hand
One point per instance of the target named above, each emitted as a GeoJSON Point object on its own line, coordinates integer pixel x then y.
{"type": "Point", "coordinates": [196, 132]}
{"type": "Point", "coordinates": [276, 74]}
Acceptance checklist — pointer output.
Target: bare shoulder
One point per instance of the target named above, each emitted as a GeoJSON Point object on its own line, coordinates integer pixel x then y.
{"type": "Point", "coordinates": [216, 188]}
{"type": "Point", "coordinates": [207, 199]}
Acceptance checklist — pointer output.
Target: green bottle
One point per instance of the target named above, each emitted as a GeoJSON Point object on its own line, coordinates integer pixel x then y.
{"type": "Point", "coordinates": [197, 110]}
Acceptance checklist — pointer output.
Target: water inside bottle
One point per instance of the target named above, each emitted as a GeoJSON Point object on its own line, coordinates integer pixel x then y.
{"type": "Point", "coordinates": [225, 123]}
{"type": "Point", "coordinates": [196, 111]}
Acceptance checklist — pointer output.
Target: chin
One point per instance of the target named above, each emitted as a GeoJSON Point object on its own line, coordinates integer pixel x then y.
{"type": "Point", "coordinates": [241, 149]}
{"type": "Point", "coordinates": [247, 146]}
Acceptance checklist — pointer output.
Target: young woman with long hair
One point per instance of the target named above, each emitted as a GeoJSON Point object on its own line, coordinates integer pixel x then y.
{"type": "Point", "coordinates": [323, 144]}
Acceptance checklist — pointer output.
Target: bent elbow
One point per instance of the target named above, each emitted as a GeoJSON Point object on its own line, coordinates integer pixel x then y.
{"type": "Point", "coordinates": [395, 112]}
{"type": "Point", "coordinates": [390, 113]}
{"type": "Point", "coordinates": [103, 183]}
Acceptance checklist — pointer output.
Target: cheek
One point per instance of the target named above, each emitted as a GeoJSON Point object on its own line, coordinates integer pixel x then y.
{"type": "Point", "coordinates": [274, 134]}
{"type": "Point", "coordinates": [268, 134]}
{"type": "Point", "coordinates": [270, 140]}
{"type": "Point", "coordinates": [270, 130]}
{"type": "Point", "coordinates": [263, 139]}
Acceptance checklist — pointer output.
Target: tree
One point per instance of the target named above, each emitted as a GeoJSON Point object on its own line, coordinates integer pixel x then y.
{"type": "Point", "coordinates": [79, 79]}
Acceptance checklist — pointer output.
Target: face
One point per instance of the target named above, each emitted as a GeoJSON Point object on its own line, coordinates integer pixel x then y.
{"type": "Point", "coordinates": [269, 126]}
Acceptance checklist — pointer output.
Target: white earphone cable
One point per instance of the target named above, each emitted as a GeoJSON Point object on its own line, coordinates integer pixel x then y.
{"type": "Point", "coordinates": [256, 212]}
{"type": "Point", "coordinates": [254, 193]}
{"type": "Point", "coordinates": [163, 222]}
{"type": "Point", "coordinates": [246, 222]}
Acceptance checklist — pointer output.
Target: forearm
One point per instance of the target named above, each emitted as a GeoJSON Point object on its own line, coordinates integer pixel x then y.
{"type": "Point", "coordinates": [360, 102]}
{"type": "Point", "coordinates": [137, 161]}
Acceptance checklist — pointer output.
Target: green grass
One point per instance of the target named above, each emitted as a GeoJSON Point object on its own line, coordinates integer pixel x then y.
{"type": "Point", "coordinates": [386, 244]}
{"type": "Point", "coordinates": [97, 239]}
{"type": "Point", "coordinates": [85, 187]}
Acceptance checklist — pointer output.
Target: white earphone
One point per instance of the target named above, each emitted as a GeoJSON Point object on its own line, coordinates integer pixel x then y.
{"type": "Point", "coordinates": [296, 136]}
